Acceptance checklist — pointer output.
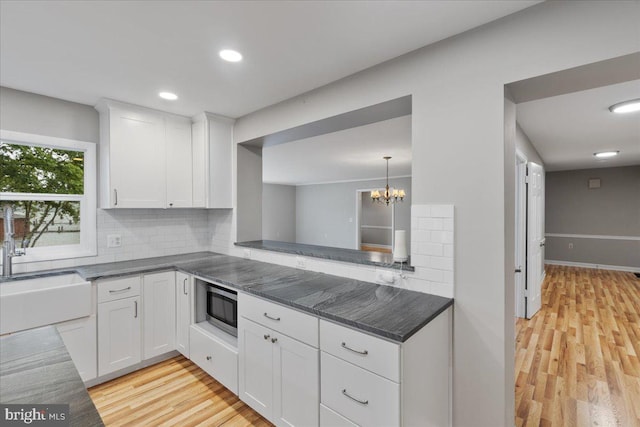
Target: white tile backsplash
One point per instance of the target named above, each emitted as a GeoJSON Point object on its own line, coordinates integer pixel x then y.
{"type": "Point", "coordinates": [158, 232]}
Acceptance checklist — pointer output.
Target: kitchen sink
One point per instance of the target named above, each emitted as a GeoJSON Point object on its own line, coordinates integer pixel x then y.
{"type": "Point", "coordinates": [29, 303]}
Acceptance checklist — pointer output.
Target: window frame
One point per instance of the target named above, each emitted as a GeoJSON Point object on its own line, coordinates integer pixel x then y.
{"type": "Point", "coordinates": [88, 200]}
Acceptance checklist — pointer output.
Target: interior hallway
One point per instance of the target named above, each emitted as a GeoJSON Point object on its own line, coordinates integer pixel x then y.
{"type": "Point", "coordinates": [577, 359]}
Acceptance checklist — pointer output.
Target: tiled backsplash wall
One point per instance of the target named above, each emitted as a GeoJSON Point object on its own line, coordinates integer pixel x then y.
{"type": "Point", "coordinates": [432, 251]}
{"type": "Point", "coordinates": [157, 232]}
{"type": "Point", "coordinates": [145, 233]}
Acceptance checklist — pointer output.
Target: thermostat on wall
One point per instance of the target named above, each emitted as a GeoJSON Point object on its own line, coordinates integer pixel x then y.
{"type": "Point", "coordinates": [594, 182]}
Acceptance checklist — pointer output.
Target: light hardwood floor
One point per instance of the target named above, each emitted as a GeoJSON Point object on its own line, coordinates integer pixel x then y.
{"type": "Point", "coordinates": [171, 393]}
{"type": "Point", "coordinates": [577, 360]}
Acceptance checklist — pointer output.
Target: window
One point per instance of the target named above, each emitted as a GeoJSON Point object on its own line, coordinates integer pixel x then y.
{"type": "Point", "coordinates": [51, 185]}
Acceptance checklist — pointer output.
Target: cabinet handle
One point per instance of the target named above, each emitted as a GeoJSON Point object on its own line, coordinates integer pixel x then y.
{"type": "Point", "coordinates": [208, 357]}
{"type": "Point", "coordinates": [135, 316]}
{"type": "Point", "coordinates": [170, 204]}
{"type": "Point", "coordinates": [115, 291]}
{"type": "Point", "coordinates": [266, 337]}
{"type": "Point", "coordinates": [115, 192]}
{"type": "Point", "coordinates": [277, 319]}
{"type": "Point", "coordinates": [345, 346]}
{"type": "Point", "coordinates": [184, 286]}
{"type": "Point", "coordinates": [273, 340]}
{"type": "Point", "coordinates": [362, 402]}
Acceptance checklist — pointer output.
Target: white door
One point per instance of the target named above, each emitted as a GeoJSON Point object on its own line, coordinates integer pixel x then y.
{"type": "Point", "coordinates": [535, 237]}
{"type": "Point", "coordinates": [183, 312]}
{"type": "Point", "coordinates": [256, 366]}
{"type": "Point", "coordinates": [296, 383]}
{"type": "Point", "coordinates": [118, 334]}
{"type": "Point", "coordinates": [520, 235]}
{"type": "Point", "coordinates": [137, 160]}
{"type": "Point", "coordinates": [79, 336]}
{"type": "Point", "coordinates": [159, 308]}
{"type": "Point", "coordinates": [179, 167]}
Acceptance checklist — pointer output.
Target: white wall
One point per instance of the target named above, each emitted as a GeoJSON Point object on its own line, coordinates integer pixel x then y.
{"type": "Point", "coordinates": [458, 126]}
{"type": "Point", "coordinates": [524, 145]}
{"type": "Point", "coordinates": [279, 212]}
{"type": "Point", "coordinates": [326, 213]}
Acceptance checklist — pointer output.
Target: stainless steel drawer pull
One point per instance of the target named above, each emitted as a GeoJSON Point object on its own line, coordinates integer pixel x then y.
{"type": "Point", "coordinates": [362, 402]}
{"type": "Point", "coordinates": [136, 308]}
{"type": "Point", "coordinates": [277, 319]}
{"type": "Point", "coordinates": [115, 192]}
{"type": "Point", "coordinates": [184, 287]}
{"type": "Point", "coordinates": [119, 290]}
{"type": "Point", "coordinates": [364, 352]}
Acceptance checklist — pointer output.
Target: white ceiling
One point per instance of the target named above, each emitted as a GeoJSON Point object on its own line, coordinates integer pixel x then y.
{"type": "Point", "coordinates": [348, 155]}
{"type": "Point", "coordinates": [130, 50]}
{"type": "Point", "coordinates": [567, 129]}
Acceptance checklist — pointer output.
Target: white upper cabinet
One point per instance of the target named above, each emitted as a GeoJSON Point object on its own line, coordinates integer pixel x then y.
{"type": "Point", "coordinates": [179, 162]}
{"type": "Point", "coordinates": [212, 161]}
{"type": "Point", "coordinates": [132, 158]}
{"type": "Point", "coordinates": [146, 158]}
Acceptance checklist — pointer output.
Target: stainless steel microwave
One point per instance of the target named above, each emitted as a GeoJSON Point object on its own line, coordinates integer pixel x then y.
{"type": "Point", "coordinates": [222, 309]}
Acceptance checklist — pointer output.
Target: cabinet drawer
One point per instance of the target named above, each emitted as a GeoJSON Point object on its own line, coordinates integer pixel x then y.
{"type": "Point", "coordinates": [214, 357]}
{"type": "Point", "coordinates": [293, 323]}
{"type": "Point", "coordinates": [359, 395]}
{"type": "Point", "coordinates": [330, 418]}
{"type": "Point", "coordinates": [373, 354]}
{"type": "Point", "coordinates": [122, 287]}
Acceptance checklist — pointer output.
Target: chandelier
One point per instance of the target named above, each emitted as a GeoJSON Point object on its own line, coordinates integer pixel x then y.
{"type": "Point", "coordinates": [388, 195]}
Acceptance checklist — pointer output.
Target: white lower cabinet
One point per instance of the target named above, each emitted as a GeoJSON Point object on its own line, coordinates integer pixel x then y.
{"type": "Point", "coordinates": [279, 375]}
{"type": "Point", "coordinates": [159, 313]}
{"type": "Point", "coordinates": [214, 356]}
{"type": "Point", "coordinates": [119, 338]}
{"type": "Point", "coordinates": [361, 396]}
{"type": "Point", "coordinates": [79, 336]}
{"type": "Point", "coordinates": [369, 381]}
{"type": "Point", "coordinates": [183, 312]}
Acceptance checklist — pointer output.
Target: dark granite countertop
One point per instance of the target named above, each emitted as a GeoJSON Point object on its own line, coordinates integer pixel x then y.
{"type": "Point", "coordinates": [385, 311]}
{"type": "Point", "coordinates": [378, 259]}
{"type": "Point", "coordinates": [35, 368]}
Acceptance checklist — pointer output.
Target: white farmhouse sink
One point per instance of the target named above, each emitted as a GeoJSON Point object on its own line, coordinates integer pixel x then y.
{"type": "Point", "coordinates": [30, 303]}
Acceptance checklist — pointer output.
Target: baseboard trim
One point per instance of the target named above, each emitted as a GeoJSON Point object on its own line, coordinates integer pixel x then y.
{"type": "Point", "coordinates": [596, 266]}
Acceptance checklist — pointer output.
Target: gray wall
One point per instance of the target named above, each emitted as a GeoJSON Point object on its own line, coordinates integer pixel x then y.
{"type": "Point", "coordinates": [460, 158]}
{"type": "Point", "coordinates": [279, 212]}
{"type": "Point", "coordinates": [41, 115]}
{"type": "Point", "coordinates": [611, 210]}
{"type": "Point", "coordinates": [326, 213]}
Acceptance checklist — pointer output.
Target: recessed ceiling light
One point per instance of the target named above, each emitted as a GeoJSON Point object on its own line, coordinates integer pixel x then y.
{"type": "Point", "coordinates": [168, 95]}
{"type": "Point", "coordinates": [626, 107]}
{"type": "Point", "coordinates": [606, 154]}
{"type": "Point", "coordinates": [230, 55]}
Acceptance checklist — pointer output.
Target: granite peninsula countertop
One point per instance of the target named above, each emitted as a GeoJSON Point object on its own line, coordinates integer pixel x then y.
{"type": "Point", "coordinates": [35, 368]}
{"type": "Point", "coordinates": [385, 311]}
{"type": "Point", "coordinates": [378, 259]}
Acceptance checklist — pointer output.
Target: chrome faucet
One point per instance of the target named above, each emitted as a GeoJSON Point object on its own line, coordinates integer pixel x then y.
{"type": "Point", "coordinates": [9, 249]}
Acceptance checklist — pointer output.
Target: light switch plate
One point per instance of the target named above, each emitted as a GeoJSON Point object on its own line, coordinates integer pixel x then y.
{"type": "Point", "coordinates": [114, 240]}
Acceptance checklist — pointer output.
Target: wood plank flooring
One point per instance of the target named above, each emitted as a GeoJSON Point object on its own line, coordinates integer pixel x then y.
{"type": "Point", "coordinates": [577, 360]}
{"type": "Point", "coordinates": [171, 393]}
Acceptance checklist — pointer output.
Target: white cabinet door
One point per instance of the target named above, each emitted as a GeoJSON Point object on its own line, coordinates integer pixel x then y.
{"type": "Point", "coordinates": [159, 313]}
{"type": "Point", "coordinates": [119, 342]}
{"type": "Point", "coordinates": [220, 161]}
{"type": "Point", "coordinates": [296, 382]}
{"type": "Point", "coordinates": [256, 367]}
{"type": "Point", "coordinates": [183, 312]}
{"type": "Point", "coordinates": [136, 159]}
{"type": "Point", "coordinates": [79, 336]}
{"type": "Point", "coordinates": [179, 163]}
